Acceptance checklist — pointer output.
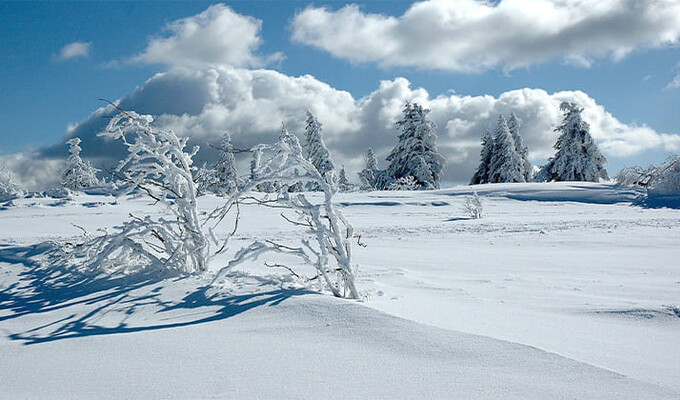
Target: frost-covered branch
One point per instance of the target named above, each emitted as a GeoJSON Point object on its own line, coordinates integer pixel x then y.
{"type": "Point", "coordinates": [328, 245]}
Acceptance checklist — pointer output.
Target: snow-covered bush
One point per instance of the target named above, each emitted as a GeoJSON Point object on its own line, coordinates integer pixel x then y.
{"type": "Point", "coordinates": [328, 244]}
{"type": "Point", "coordinates": [205, 179]}
{"type": "Point", "coordinates": [405, 183]}
{"type": "Point", "coordinates": [78, 173]}
{"type": "Point", "coordinates": [635, 176]}
{"type": "Point", "coordinates": [578, 158]}
{"type": "Point", "coordinates": [8, 188]}
{"type": "Point", "coordinates": [416, 154]}
{"type": "Point", "coordinates": [665, 180]}
{"type": "Point", "coordinates": [158, 167]}
{"type": "Point", "coordinates": [473, 206]}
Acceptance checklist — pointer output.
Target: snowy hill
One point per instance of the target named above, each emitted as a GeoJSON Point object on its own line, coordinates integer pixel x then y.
{"type": "Point", "coordinates": [560, 291]}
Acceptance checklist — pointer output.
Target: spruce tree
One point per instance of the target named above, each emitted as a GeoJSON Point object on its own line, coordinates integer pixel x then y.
{"type": "Point", "coordinates": [577, 158]}
{"type": "Point", "coordinates": [482, 174]}
{"type": "Point", "coordinates": [315, 148]}
{"type": "Point", "coordinates": [514, 124]}
{"type": "Point", "coordinates": [226, 175]}
{"type": "Point", "coordinates": [416, 154]}
{"type": "Point", "coordinates": [506, 164]}
{"type": "Point", "coordinates": [369, 174]}
{"type": "Point", "coordinates": [78, 174]}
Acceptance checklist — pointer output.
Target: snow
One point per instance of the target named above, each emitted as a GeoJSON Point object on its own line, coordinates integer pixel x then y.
{"type": "Point", "coordinates": [561, 290]}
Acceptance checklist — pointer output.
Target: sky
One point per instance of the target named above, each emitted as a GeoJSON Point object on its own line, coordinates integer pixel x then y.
{"type": "Point", "coordinates": [203, 68]}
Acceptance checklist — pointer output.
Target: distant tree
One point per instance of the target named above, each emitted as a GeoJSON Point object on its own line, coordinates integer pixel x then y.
{"type": "Point", "coordinates": [8, 188]}
{"type": "Point", "coordinates": [506, 164]}
{"type": "Point", "coordinates": [577, 158]}
{"type": "Point", "coordinates": [514, 124]}
{"type": "Point", "coordinates": [226, 175]}
{"type": "Point", "coordinates": [416, 153]}
{"type": "Point", "coordinates": [369, 174]}
{"type": "Point", "coordinates": [316, 151]}
{"type": "Point", "coordinates": [482, 173]}
{"type": "Point", "coordinates": [78, 174]}
{"type": "Point", "coordinates": [343, 184]}
{"type": "Point", "coordinates": [205, 178]}
{"type": "Point", "coordinates": [666, 178]}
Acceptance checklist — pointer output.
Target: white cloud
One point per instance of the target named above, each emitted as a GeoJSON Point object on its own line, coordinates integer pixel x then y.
{"type": "Point", "coordinates": [675, 83]}
{"type": "Point", "coordinates": [251, 104]}
{"type": "Point", "coordinates": [472, 35]}
{"type": "Point", "coordinates": [217, 36]}
{"type": "Point", "coordinates": [74, 50]}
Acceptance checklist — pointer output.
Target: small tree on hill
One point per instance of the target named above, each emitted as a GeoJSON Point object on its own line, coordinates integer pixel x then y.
{"type": "Point", "coordinates": [482, 173]}
{"type": "Point", "coordinates": [369, 174]}
{"type": "Point", "coordinates": [506, 164]}
{"type": "Point", "coordinates": [316, 151]}
{"type": "Point", "coordinates": [78, 174]}
{"type": "Point", "coordinates": [226, 175]}
{"type": "Point", "coordinates": [514, 125]}
{"type": "Point", "coordinates": [416, 154]}
{"type": "Point", "coordinates": [577, 158]}
{"type": "Point", "coordinates": [8, 188]}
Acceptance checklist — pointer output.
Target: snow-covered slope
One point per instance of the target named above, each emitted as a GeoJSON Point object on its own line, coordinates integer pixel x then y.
{"type": "Point", "coordinates": [559, 291]}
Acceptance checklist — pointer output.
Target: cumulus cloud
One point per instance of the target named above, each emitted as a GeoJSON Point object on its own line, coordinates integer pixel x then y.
{"type": "Point", "coordinates": [74, 50]}
{"type": "Point", "coordinates": [473, 35]}
{"type": "Point", "coordinates": [251, 104]}
{"type": "Point", "coordinates": [217, 36]}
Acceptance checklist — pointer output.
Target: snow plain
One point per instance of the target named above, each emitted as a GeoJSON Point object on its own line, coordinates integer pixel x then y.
{"type": "Point", "coordinates": [561, 290]}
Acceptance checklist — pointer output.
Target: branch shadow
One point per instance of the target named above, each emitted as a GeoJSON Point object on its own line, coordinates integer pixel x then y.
{"type": "Point", "coordinates": [79, 305]}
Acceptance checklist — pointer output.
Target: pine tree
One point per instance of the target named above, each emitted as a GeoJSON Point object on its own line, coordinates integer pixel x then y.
{"type": "Point", "coordinates": [371, 159]}
{"type": "Point", "coordinates": [343, 183]}
{"type": "Point", "coordinates": [226, 175]}
{"type": "Point", "coordinates": [482, 174]}
{"type": "Point", "coordinates": [514, 124]}
{"type": "Point", "coordinates": [316, 151]}
{"type": "Point", "coordinates": [416, 154]}
{"type": "Point", "coordinates": [369, 174]}
{"type": "Point", "coordinates": [578, 157]}
{"type": "Point", "coordinates": [78, 174]}
{"type": "Point", "coordinates": [506, 164]}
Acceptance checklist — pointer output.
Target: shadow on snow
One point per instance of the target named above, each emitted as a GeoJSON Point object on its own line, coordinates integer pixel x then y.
{"type": "Point", "coordinates": [76, 303]}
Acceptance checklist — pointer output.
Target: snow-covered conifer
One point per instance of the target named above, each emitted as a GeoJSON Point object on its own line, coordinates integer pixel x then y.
{"type": "Point", "coordinates": [514, 124]}
{"type": "Point", "coordinates": [482, 173]}
{"type": "Point", "coordinates": [343, 183]}
{"type": "Point", "coordinates": [315, 149]}
{"type": "Point", "coordinates": [506, 164]}
{"type": "Point", "coordinates": [369, 174]}
{"type": "Point", "coordinates": [8, 188]}
{"type": "Point", "coordinates": [577, 158]}
{"type": "Point", "coordinates": [666, 178]}
{"type": "Point", "coordinates": [416, 154]}
{"type": "Point", "coordinates": [78, 174]}
{"type": "Point", "coordinates": [225, 167]}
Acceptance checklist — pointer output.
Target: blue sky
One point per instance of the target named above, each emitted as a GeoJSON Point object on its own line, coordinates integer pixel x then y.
{"type": "Point", "coordinates": [42, 93]}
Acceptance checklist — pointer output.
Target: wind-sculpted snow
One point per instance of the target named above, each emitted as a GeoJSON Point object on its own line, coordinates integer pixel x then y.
{"type": "Point", "coordinates": [539, 298]}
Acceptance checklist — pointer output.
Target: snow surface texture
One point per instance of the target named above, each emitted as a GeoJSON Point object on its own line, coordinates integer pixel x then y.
{"type": "Point", "coordinates": [561, 290]}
